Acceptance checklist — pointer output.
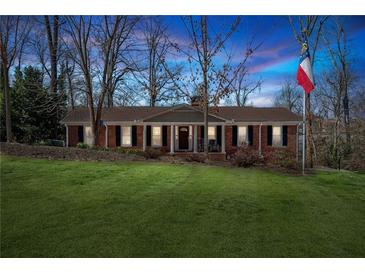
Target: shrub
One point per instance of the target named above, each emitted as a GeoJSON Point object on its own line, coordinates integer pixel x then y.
{"type": "Point", "coordinates": [125, 150]}
{"type": "Point", "coordinates": [82, 145]}
{"type": "Point", "coordinates": [283, 159]}
{"type": "Point", "coordinates": [246, 157]}
{"type": "Point", "coordinates": [152, 153]}
{"type": "Point", "coordinates": [200, 158]}
{"type": "Point", "coordinates": [42, 143]}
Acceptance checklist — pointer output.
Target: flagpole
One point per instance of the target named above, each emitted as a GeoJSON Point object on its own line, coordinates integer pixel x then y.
{"type": "Point", "coordinates": [304, 133]}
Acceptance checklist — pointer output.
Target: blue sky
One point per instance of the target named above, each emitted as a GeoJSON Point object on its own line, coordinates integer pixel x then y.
{"type": "Point", "coordinates": [277, 58]}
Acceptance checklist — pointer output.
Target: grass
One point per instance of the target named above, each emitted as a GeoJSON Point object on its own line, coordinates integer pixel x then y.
{"type": "Point", "coordinates": [144, 209]}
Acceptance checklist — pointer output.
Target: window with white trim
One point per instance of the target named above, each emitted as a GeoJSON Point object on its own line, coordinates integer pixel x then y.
{"type": "Point", "coordinates": [156, 136]}
{"type": "Point", "coordinates": [277, 136]}
{"type": "Point", "coordinates": [242, 135]}
{"type": "Point", "coordinates": [88, 135]}
{"type": "Point", "coordinates": [126, 136]}
{"type": "Point", "coordinates": [212, 133]}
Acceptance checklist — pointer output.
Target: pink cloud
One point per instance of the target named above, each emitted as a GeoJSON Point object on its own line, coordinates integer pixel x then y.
{"type": "Point", "coordinates": [270, 63]}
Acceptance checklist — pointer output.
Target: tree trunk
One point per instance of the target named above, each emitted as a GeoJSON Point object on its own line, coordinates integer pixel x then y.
{"type": "Point", "coordinates": [9, 132]}
{"type": "Point", "coordinates": [52, 37]}
{"type": "Point", "coordinates": [205, 79]}
{"type": "Point", "coordinates": [347, 121]}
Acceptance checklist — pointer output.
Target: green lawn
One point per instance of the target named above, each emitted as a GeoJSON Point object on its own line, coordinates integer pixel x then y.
{"type": "Point", "coordinates": [145, 209]}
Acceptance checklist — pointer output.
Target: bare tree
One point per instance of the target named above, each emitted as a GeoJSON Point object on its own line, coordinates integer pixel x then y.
{"type": "Point", "coordinates": [289, 97]}
{"type": "Point", "coordinates": [13, 35]}
{"type": "Point", "coordinates": [97, 46]}
{"type": "Point", "coordinates": [339, 55]}
{"type": "Point", "coordinates": [210, 81]}
{"type": "Point", "coordinates": [113, 40]}
{"type": "Point", "coordinates": [242, 88]}
{"type": "Point", "coordinates": [52, 30]}
{"type": "Point", "coordinates": [151, 73]}
{"type": "Point", "coordinates": [308, 29]}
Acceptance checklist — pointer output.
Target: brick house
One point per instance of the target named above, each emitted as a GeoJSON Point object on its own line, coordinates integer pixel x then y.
{"type": "Point", "coordinates": [180, 129]}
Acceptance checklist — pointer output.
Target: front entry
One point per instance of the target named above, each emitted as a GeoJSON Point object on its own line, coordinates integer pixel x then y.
{"type": "Point", "coordinates": [184, 138]}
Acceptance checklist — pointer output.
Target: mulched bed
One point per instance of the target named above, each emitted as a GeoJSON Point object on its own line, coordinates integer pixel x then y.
{"type": "Point", "coordinates": [65, 153]}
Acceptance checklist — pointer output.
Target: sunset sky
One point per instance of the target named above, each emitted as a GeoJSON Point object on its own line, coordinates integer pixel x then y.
{"type": "Point", "coordinates": [278, 57]}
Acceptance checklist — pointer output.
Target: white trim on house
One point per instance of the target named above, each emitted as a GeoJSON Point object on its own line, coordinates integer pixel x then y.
{"type": "Point", "coordinates": [87, 138]}
{"type": "Point", "coordinates": [121, 136]}
{"type": "Point", "coordinates": [159, 145]}
{"type": "Point", "coordinates": [238, 135]}
{"type": "Point", "coordinates": [139, 123]}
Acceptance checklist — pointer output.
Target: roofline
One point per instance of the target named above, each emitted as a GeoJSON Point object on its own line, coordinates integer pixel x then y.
{"type": "Point", "coordinates": [134, 122]}
{"type": "Point", "coordinates": [180, 106]}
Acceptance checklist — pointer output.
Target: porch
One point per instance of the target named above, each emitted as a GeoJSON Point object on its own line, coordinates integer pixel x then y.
{"type": "Point", "coordinates": [184, 138]}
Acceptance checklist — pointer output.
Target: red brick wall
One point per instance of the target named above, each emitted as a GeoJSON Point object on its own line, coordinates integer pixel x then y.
{"type": "Point", "coordinates": [73, 135]}
{"type": "Point", "coordinates": [292, 139]}
{"type": "Point", "coordinates": [112, 142]}
{"type": "Point", "coordinates": [111, 136]}
{"type": "Point", "coordinates": [101, 139]}
{"type": "Point", "coordinates": [139, 137]}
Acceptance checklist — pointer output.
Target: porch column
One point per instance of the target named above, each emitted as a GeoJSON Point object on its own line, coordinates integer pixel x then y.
{"type": "Point", "coordinates": [66, 136]}
{"type": "Point", "coordinates": [144, 137]}
{"type": "Point", "coordinates": [106, 136]}
{"type": "Point", "coordinates": [260, 139]}
{"type": "Point", "coordinates": [172, 140]}
{"type": "Point", "coordinates": [223, 139]}
{"type": "Point", "coordinates": [195, 138]}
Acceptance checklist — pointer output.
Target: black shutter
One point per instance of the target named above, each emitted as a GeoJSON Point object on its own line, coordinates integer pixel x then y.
{"type": "Point", "coordinates": [285, 135]}
{"type": "Point", "coordinates": [117, 136]}
{"type": "Point", "coordinates": [148, 135]}
{"type": "Point", "coordinates": [250, 135]}
{"type": "Point", "coordinates": [219, 135]}
{"type": "Point", "coordinates": [164, 136]}
{"type": "Point", "coordinates": [80, 132]}
{"type": "Point", "coordinates": [234, 135]}
{"type": "Point", "coordinates": [134, 136]}
{"type": "Point", "coordinates": [202, 132]}
{"type": "Point", "coordinates": [269, 135]}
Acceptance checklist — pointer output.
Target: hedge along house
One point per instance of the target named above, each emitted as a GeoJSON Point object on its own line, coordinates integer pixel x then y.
{"type": "Point", "coordinates": [180, 129]}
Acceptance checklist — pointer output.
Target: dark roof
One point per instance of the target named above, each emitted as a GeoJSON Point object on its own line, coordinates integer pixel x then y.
{"type": "Point", "coordinates": [184, 113]}
{"type": "Point", "coordinates": [256, 114]}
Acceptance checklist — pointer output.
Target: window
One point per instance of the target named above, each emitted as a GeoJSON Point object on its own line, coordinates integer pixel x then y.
{"type": "Point", "coordinates": [80, 131]}
{"type": "Point", "coordinates": [211, 133]}
{"type": "Point", "coordinates": [276, 136]}
{"type": "Point", "coordinates": [242, 136]}
{"type": "Point", "coordinates": [126, 136]}
{"type": "Point", "coordinates": [89, 135]}
{"type": "Point", "coordinates": [156, 136]}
